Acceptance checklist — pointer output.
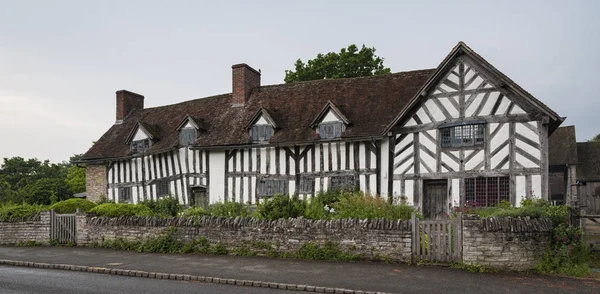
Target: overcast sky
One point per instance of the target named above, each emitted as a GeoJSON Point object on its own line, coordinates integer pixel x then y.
{"type": "Point", "coordinates": [62, 61]}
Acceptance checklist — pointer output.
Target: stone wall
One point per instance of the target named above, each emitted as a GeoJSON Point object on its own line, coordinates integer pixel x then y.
{"type": "Point", "coordinates": [505, 242]}
{"type": "Point", "coordinates": [95, 182]}
{"type": "Point", "coordinates": [370, 239]}
{"type": "Point", "coordinates": [36, 229]}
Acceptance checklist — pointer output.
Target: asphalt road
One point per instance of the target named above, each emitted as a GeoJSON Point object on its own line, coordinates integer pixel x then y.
{"type": "Point", "coordinates": [22, 280]}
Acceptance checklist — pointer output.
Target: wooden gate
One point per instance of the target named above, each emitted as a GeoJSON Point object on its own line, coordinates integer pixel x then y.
{"type": "Point", "coordinates": [63, 228]}
{"type": "Point", "coordinates": [437, 241]}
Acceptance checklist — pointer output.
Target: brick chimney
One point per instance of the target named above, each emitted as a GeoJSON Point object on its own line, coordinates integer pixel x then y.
{"type": "Point", "coordinates": [244, 79]}
{"type": "Point", "coordinates": [126, 103]}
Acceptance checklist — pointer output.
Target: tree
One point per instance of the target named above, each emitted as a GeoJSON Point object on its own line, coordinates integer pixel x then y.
{"type": "Point", "coordinates": [349, 63]}
{"type": "Point", "coordinates": [595, 138]}
{"type": "Point", "coordinates": [76, 179]}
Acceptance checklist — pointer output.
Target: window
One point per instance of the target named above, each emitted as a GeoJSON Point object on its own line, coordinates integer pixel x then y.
{"type": "Point", "coordinates": [330, 130]}
{"type": "Point", "coordinates": [162, 188]}
{"type": "Point", "coordinates": [345, 182]}
{"type": "Point", "coordinates": [140, 146]}
{"type": "Point", "coordinates": [464, 135]}
{"type": "Point", "coordinates": [261, 133]}
{"type": "Point", "coordinates": [486, 192]}
{"type": "Point", "coordinates": [187, 136]}
{"type": "Point", "coordinates": [124, 194]}
{"type": "Point", "coordinates": [307, 185]}
{"type": "Point", "coordinates": [269, 187]}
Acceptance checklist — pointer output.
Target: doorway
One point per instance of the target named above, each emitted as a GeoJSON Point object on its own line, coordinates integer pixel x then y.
{"type": "Point", "coordinates": [199, 197]}
{"type": "Point", "coordinates": [435, 199]}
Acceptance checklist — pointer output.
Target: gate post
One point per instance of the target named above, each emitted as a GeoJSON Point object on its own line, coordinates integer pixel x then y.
{"type": "Point", "coordinates": [459, 239]}
{"type": "Point", "coordinates": [415, 236]}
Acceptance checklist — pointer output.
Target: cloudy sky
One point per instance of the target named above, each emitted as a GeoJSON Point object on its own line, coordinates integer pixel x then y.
{"type": "Point", "coordinates": [62, 61]}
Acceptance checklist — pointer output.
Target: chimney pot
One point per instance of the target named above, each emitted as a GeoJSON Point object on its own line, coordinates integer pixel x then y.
{"type": "Point", "coordinates": [126, 103]}
{"type": "Point", "coordinates": [245, 78]}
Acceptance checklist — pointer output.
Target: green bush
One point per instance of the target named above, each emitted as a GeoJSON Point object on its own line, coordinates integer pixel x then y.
{"type": "Point", "coordinates": [164, 243]}
{"type": "Point", "coordinates": [532, 208]}
{"type": "Point", "coordinates": [195, 211]}
{"type": "Point", "coordinates": [319, 207]}
{"type": "Point", "coordinates": [229, 209]}
{"type": "Point", "coordinates": [357, 205]}
{"type": "Point", "coordinates": [71, 205]}
{"type": "Point", "coordinates": [329, 251]}
{"type": "Point", "coordinates": [280, 206]}
{"type": "Point", "coordinates": [10, 212]}
{"type": "Point", "coordinates": [165, 207]}
{"type": "Point", "coordinates": [121, 209]}
{"type": "Point", "coordinates": [198, 245]}
{"type": "Point", "coordinates": [568, 253]}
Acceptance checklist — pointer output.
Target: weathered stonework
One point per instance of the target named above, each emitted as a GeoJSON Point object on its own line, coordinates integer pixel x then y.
{"type": "Point", "coordinates": [509, 243]}
{"type": "Point", "coordinates": [95, 181]}
{"type": "Point", "coordinates": [370, 239]}
{"type": "Point", "coordinates": [37, 229]}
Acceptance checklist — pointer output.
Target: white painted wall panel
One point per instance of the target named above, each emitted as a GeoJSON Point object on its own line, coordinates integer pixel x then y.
{"type": "Point", "coordinates": [477, 159]}
{"type": "Point", "coordinates": [423, 116]}
{"type": "Point", "coordinates": [449, 107]}
{"type": "Point", "coordinates": [470, 111]}
{"type": "Point", "coordinates": [455, 192]}
{"type": "Point", "coordinates": [384, 161]}
{"type": "Point", "coordinates": [330, 117]}
{"type": "Point", "coordinates": [409, 191]}
{"type": "Point", "coordinates": [140, 135]}
{"type": "Point", "coordinates": [520, 189]}
{"type": "Point", "coordinates": [435, 111]}
{"type": "Point", "coordinates": [217, 176]}
{"type": "Point", "coordinates": [536, 186]}
{"type": "Point", "coordinates": [526, 132]}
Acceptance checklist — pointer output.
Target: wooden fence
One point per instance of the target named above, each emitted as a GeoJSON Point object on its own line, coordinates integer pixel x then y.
{"type": "Point", "coordinates": [63, 228]}
{"type": "Point", "coordinates": [437, 241]}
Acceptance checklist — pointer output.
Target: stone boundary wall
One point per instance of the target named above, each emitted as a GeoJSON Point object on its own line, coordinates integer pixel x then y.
{"type": "Point", "coordinates": [505, 242]}
{"type": "Point", "coordinates": [369, 238]}
{"type": "Point", "coordinates": [35, 229]}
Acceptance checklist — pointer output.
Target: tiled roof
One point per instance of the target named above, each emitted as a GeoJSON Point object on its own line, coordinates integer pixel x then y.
{"type": "Point", "coordinates": [562, 146]}
{"type": "Point", "coordinates": [588, 168]}
{"type": "Point", "coordinates": [369, 103]}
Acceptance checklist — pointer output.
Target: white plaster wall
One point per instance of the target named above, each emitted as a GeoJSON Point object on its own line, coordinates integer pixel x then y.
{"type": "Point", "coordinates": [409, 191]}
{"type": "Point", "coordinates": [140, 135]}
{"type": "Point", "coordinates": [330, 117]}
{"type": "Point", "coordinates": [261, 121]}
{"type": "Point", "coordinates": [217, 176]}
{"type": "Point", "coordinates": [477, 159]}
{"type": "Point", "coordinates": [536, 186]}
{"type": "Point", "coordinates": [455, 192]}
{"type": "Point", "coordinates": [521, 190]}
{"type": "Point", "coordinates": [384, 163]}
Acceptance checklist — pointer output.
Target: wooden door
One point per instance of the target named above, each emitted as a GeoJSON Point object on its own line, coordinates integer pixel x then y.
{"type": "Point", "coordinates": [199, 197]}
{"type": "Point", "coordinates": [435, 199]}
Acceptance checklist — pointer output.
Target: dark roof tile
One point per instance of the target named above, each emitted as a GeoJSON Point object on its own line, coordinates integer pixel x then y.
{"type": "Point", "coordinates": [562, 146]}
{"type": "Point", "coordinates": [588, 168]}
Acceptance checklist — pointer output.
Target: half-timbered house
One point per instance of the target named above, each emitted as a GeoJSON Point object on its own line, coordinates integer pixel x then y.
{"type": "Point", "coordinates": [463, 133]}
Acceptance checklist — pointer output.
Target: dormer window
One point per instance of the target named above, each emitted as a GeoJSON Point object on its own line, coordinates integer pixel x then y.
{"type": "Point", "coordinates": [330, 130]}
{"type": "Point", "coordinates": [331, 122]}
{"type": "Point", "coordinates": [140, 146]}
{"type": "Point", "coordinates": [188, 130]}
{"type": "Point", "coordinates": [261, 133]}
{"type": "Point", "coordinates": [141, 138]}
{"type": "Point", "coordinates": [261, 127]}
{"type": "Point", "coordinates": [187, 136]}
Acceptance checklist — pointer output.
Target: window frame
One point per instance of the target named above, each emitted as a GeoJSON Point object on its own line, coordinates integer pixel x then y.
{"type": "Point", "coordinates": [307, 185]}
{"type": "Point", "coordinates": [125, 194]}
{"type": "Point", "coordinates": [342, 182]}
{"type": "Point", "coordinates": [140, 146]}
{"type": "Point", "coordinates": [161, 186]}
{"type": "Point", "coordinates": [463, 135]}
{"type": "Point", "coordinates": [331, 129]}
{"type": "Point", "coordinates": [184, 136]}
{"type": "Point", "coordinates": [497, 187]}
{"type": "Point", "coordinates": [277, 186]}
{"type": "Point", "coordinates": [266, 130]}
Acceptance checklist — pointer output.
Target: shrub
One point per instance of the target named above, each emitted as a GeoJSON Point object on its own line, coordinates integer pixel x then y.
{"type": "Point", "coordinates": [229, 209]}
{"type": "Point", "coordinates": [568, 253]}
{"type": "Point", "coordinates": [164, 243]}
{"type": "Point", "coordinates": [280, 206]}
{"type": "Point", "coordinates": [357, 205]}
{"type": "Point", "coordinates": [198, 245]}
{"type": "Point", "coordinates": [195, 211]}
{"type": "Point", "coordinates": [219, 249]}
{"type": "Point", "coordinates": [329, 251]}
{"type": "Point", "coordinates": [532, 208]}
{"type": "Point", "coordinates": [10, 212]}
{"type": "Point", "coordinates": [165, 207]}
{"type": "Point", "coordinates": [121, 209]}
{"type": "Point", "coordinates": [319, 206]}
{"type": "Point", "coordinates": [71, 205]}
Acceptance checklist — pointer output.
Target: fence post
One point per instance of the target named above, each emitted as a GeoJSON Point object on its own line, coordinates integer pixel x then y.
{"type": "Point", "coordinates": [415, 236]}
{"type": "Point", "coordinates": [459, 242]}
